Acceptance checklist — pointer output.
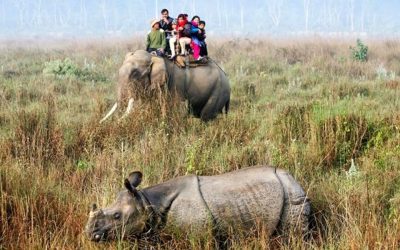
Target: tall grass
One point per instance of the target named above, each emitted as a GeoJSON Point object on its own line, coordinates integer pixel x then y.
{"type": "Point", "coordinates": [305, 106]}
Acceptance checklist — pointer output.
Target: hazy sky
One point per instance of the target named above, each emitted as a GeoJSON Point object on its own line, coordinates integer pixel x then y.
{"type": "Point", "coordinates": [126, 17]}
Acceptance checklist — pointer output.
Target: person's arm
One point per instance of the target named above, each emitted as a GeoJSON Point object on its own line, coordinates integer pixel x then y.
{"type": "Point", "coordinates": [164, 42]}
{"type": "Point", "coordinates": [148, 41]}
{"type": "Point", "coordinates": [203, 34]}
{"type": "Point", "coordinates": [194, 30]}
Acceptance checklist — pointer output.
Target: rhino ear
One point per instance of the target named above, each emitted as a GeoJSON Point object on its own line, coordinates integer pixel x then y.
{"type": "Point", "coordinates": [133, 180]}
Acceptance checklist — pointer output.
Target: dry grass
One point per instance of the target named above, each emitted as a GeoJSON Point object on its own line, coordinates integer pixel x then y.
{"type": "Point", "coordinates": [302, 105]}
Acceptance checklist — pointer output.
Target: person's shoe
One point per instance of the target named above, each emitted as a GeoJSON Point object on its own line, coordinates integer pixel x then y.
{"type": "Point", "coordinates": [199, 58]}
{"type": "Point", "coordinates": [172, 57]}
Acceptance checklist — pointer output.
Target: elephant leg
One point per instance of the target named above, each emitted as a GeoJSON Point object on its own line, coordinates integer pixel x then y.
{"type": "Point", "coordinates": [209, 110]}
{"type": "Point", "coordinates": [194, 110]}
{"type": "Point", "coordinates": [227, 106]}
{"type": "Point", "coordinates": [215, 105]}
{"type": "Point", "coordinates": [221, 111]}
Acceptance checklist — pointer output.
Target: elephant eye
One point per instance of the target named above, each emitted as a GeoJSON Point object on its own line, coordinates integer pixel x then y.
{"type": "Point", "coordinates": [117, 215]}
{"type": "Point", "coordinates": [135, 73]}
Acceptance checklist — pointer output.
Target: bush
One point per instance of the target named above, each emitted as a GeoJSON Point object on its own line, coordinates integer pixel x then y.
{"type": "Point", "coordinates": [66, 68]}
{"type": "Point", "coordinates": [70, 70]}
{"type": "Point", "coordinates": [360, 52]}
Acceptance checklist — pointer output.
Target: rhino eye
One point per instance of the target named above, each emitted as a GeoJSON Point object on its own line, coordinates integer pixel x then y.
{"type": "Point", "coordinates": [117, 215]}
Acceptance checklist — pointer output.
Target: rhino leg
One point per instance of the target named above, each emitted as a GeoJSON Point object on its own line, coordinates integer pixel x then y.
{"type": "Point", "coordinates": [296, 209]}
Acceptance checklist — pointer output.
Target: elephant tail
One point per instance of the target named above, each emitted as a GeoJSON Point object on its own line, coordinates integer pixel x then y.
{"type": "Point", "coordinates": [227, 106]}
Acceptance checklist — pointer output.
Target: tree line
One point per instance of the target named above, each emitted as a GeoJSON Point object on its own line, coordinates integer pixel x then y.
{"type": "Point", "coordinates": [96, 17]}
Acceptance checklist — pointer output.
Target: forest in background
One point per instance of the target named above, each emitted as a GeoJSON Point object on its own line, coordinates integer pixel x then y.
{"type": "Point", "coordinates": [77, 18]}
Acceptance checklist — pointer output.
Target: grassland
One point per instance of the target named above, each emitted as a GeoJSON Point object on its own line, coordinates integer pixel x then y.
{"type": "Point", "coordinates": [302, 105]}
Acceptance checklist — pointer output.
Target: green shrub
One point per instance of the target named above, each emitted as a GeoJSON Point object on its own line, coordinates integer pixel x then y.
{"type": "Point", "coordinates": [83, 165]}
{"type": "Point", "coordinates": [70, 70]}
{"type": "Point", "coordinates": [360, 52]}
{"type": "Point", "coordinates": [66, 68]}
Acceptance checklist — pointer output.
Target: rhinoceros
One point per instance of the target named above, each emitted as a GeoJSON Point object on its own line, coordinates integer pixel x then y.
{"type": "Point", "coordinates": [240, 199]}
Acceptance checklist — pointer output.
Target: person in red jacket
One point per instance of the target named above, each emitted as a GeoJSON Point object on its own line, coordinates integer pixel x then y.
{"type": "Point", "coordinates": [183, 32]}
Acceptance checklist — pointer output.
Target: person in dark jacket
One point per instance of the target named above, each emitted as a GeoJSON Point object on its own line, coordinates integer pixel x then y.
{"type": "Point", "coordinates": [166, 25]}
{"type": "Point", "coordinates": [166, 21]}
{"type": "Point", "coordinates": [202, 39]}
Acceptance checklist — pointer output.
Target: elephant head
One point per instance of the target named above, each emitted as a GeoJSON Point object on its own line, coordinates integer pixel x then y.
{"type": "Point", "coordinates": [140, 75]}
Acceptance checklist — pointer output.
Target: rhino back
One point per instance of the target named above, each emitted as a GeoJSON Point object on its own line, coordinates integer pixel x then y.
{"type": "Point", "coordinates": [181, 202]}
{"type": "Point", "coordinates": [189, 209]}
{"type": "Point", "coordinates": [244, 197]}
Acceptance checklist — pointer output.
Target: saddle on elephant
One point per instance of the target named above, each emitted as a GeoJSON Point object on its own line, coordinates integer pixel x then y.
{"type": "Point", "coordinates": [189, 61]}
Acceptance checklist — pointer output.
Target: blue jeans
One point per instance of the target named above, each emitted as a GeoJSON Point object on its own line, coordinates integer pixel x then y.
{"type": "Point", "coordinates": [158, 52]}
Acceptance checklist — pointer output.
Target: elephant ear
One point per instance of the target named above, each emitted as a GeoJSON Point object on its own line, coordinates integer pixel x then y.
{"type": "Point", "coordinates": [129, 57]}
{"type": "Point", "coordinates": [158, 73]}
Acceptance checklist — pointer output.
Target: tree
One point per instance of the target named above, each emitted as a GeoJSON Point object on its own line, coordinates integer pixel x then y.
{"type": "Point", "coordinates": [219, 13]}
{"type": "Point", "coordinates": [351, 14]}
{"type": "Point", "coordinates": [274, 11]}
{"type": "Point", "coordinates": [21, 6]}
{"type": "Point", "coordinates": [306, 6]}
{"type": "Point", "coordinates": [156, 9]}
{"type": "Point", "coordinates": [83, 14]}
{"type": "Point", "coordinates": [365, 11]}
{"type": "Point", "coordinates": [241, 15]}
{"type": "Point", "coordinates": [3, 12]}
{"type": "Point", "coordinates": [37, 14]}
{"type": "Point", "coordinates": [62, 14]}
{"type": "Point", "coordinates": [103, 7]}
{"type": "Point", "coordinates": [194, 7]}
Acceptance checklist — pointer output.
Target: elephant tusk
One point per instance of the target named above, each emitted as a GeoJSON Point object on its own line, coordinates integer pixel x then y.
{"type": "Point", "coordinates": [110, 113]}
{"type": "Point", "coordinates": [128, 109]}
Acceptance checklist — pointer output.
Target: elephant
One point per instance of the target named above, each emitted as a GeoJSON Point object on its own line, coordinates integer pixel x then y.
{"type": "Point", "coordinates": [206, 88]}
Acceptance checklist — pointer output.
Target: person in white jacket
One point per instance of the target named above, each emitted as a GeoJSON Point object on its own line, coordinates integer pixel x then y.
{"type": "Point", "coordinates": [172, 40]}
